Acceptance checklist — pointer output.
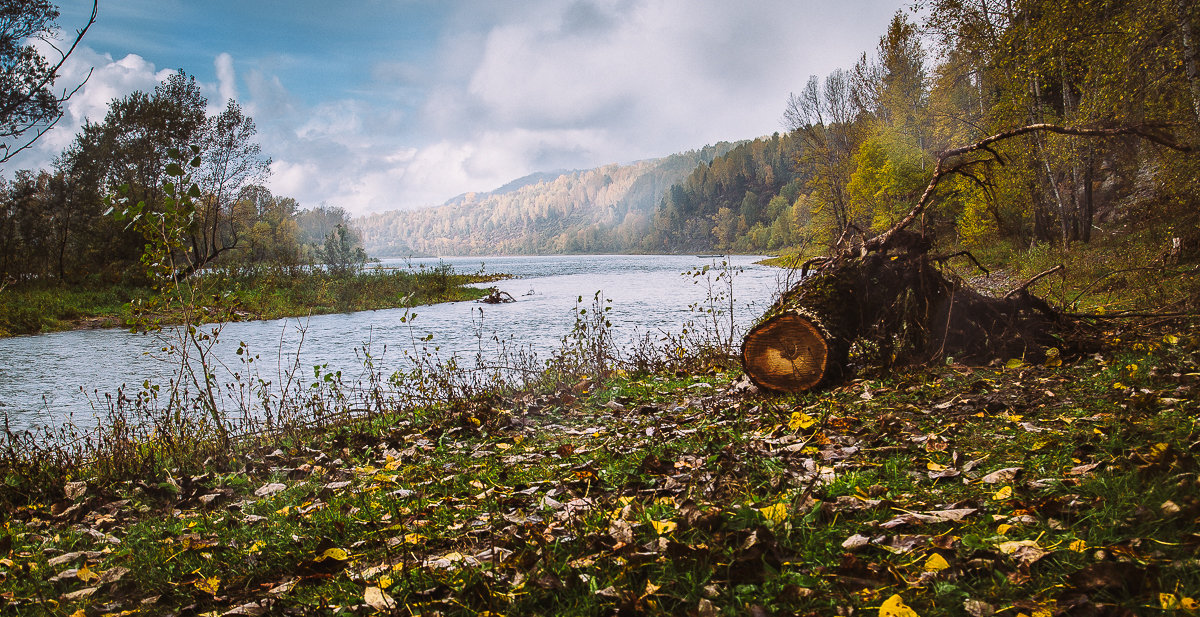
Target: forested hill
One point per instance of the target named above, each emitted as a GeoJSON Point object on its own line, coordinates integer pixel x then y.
{"type": "Point", "coordinates": [607, 209]}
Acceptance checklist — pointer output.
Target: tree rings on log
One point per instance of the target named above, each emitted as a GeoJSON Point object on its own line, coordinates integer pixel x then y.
{"type": "Point", "coordinates": [787, 352]}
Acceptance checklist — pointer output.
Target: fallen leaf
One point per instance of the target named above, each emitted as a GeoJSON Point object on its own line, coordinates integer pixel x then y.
{"type": "Point", "coordinates": [267, 490]}
{"type": "Point", "coordinates": [621, 531]}
{"type": "Point", "coordinates": [113, 575]}
{"type": "Point", "coordinates": [775, 514]}
{"type": "Point", "coordinates": [800, 420]}
{"type": "Point", "coordinates": [86, 575]}
{"type": "Point", "coordinates": [895, 607]}
{"type": "Point", "coordinates": [80, 594]}
{"type": "Point", "coordinates": [936, 563]}
{"type": "Point", "coordinates": [336, 554]}
{"type": "Point", "coordinates": [1001, 476]}
{"type": "Point", "coordinates": [210, 585]}
{"type": "Point", "coordinates": [855, 542]}
{"type": "Point", "coordinates": [663, 527]}
{"type": "Point", "coordinates": [75, 490]}
{"type": "Point", "coordinates": [1002, 494]}
{"type": "Point", "coordinates": [1024, 551]}
{"type": "Point", "coordinates": [378, 599]}
{"type": "Point", "coordinates": [978, 608]}
{"type": "Point", "coordinates": [250, 609]}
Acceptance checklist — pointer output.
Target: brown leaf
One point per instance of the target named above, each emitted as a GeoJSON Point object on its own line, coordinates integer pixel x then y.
{"type": "Point", "coordinates": [80, 594]}
{"type": "Point", "coordinates": [75, 490]}
{"type": "Point", "coordinates": [252, 609]}
{"type": "Point", "coordinates": [978, 608]}
{"type": "Point", "coordinates": [621, 531]}
{"type": "Point", "coordinates": [112, 575]}
{"type": "Point", "coordinates": [267, 490]}
{"type": "Point", "coordinates": [379, 600]}
{"type": "Point", "coordinates": [1001, 476]}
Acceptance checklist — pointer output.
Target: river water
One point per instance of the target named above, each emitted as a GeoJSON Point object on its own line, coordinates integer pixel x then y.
{"type": "Point", "coordinates": [49, 379]}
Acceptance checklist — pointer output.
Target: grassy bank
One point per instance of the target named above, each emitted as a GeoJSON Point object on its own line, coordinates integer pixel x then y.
{"type": "Point", "coordinates": [268, 294]}
{"type": "Point", "coordinates": [1068, 488]}
{"type": "Point", "coordinates": [654, 482]}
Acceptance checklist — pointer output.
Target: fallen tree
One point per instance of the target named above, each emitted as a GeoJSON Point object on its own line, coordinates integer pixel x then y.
{"type": "Point", "coordinates": [889, 300]}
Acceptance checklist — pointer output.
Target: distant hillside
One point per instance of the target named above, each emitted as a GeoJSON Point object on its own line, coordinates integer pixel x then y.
{"type": "Point", "coordinates": [607, 209]}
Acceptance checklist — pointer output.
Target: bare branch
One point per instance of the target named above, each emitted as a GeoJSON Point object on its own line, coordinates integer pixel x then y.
{"type": "Point", "coordinates": [1025, 286]}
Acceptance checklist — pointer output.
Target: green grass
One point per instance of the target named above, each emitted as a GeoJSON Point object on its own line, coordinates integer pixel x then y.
{"type": "Point", "coordinates": [33, 308]}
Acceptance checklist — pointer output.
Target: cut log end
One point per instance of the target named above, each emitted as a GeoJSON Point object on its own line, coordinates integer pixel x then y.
{"type": "Point", "coordinates": [787, 353]}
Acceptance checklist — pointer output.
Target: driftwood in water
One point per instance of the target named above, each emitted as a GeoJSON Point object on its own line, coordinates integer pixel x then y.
{"type": "Point", "coordinates": [887, 299]}
{"type": "Point", "coordinates": [497, 297]}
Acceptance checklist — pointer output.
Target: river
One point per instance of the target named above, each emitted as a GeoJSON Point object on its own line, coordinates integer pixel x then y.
{"type": "Point", "coordinates": [48, 380]}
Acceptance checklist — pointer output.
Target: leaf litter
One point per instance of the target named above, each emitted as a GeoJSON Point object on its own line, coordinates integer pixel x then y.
{"type": "Point", "coordinates": [1035, 490]}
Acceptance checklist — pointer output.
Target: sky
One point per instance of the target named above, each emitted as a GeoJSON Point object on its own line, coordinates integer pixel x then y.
{"type": "Point", "coordinates": [376, 105]}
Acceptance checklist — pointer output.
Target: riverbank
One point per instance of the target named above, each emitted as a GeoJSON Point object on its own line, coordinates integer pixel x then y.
{"type": "Point", "coordinates": [1013, 489]}
{"type": "Point", "coordinates": [269, 294]}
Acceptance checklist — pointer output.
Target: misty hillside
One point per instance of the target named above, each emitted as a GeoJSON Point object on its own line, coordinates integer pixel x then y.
{"type": "Point", "coordinates": [607, 209]}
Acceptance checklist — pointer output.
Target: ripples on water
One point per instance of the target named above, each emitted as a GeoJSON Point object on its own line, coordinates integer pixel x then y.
{"type": "Point", "coordinates": [44, 378]}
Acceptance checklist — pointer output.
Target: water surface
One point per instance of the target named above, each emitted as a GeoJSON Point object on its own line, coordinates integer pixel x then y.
{"type": "Point", "coordinates": [49, 378]}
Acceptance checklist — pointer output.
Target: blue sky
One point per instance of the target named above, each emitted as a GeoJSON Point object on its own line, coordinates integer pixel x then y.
{"type": "Point", "coordinates": [380, 104]}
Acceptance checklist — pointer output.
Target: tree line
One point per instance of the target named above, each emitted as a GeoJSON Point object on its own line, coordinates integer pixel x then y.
{"type": "Point", "coordinates": [56, 224]}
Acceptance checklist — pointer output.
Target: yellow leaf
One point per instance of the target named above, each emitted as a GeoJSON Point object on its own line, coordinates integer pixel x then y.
{"type": "Point", "coordinates": [1014, 363]}
{"type": "Point", "coordinates": [85, 575]}
{"type": "Point", "coordinates": [413, 538]}
{"type": "Point", "coordinates": [663, 527]}
{"type": "Point", "coordinates": [1004, 493]}
{"type": "Point", "coordinates": [1003, 529]}
{"type": "Point", "coordinates": [932, 466]}
{"type": "Point", "coordinates": [335, 554]}
{"type": "Point", "coordinates": [1171, 339]}
{"type": "Point", "coordinates": [936, 563]}
{"type": "Point", "coordinates": [1189, 604]}
{"type": "Point", "coordinates": [1168, 601]}
{"type": "Point", "coordinates": [79, 613]}
{"type": "Point", "coordinates": [800, 420]}
{"type": "Point", "coordinates": [385, 581]}
{"type": "Point", "coordinates": [775, 514]}
{"type": "Point", "coordinates": [1078, 546]}
{"type": "Point", "coordinates": [208, 585]}
{"type": "Point", "coordinates": [895, 607]}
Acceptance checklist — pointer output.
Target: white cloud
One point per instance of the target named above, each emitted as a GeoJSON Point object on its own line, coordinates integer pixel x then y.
{"type": "Point", "coordinates": [510, 90]}
{"type": "Point", "coordinates": [226, 78]}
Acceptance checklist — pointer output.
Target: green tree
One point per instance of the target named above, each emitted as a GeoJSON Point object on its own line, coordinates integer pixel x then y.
{"type": "Point", "coordinates": [29, 103]}
{"type": "Point", "coordinates": [342, 252]}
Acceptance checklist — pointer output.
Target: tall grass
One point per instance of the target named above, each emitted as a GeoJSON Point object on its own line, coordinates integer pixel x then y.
{"type": "Point", "coordinates": [157, 429]}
